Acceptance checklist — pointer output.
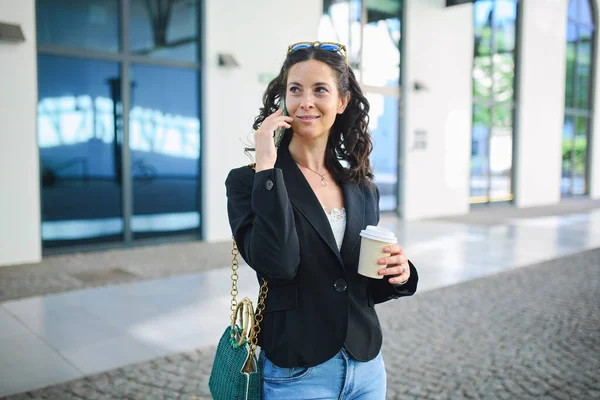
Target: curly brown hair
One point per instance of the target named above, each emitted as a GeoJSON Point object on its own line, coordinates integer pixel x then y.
{"type": "Point", "coordinates": [349, 138]}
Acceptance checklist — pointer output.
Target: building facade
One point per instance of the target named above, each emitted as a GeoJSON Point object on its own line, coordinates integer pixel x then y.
{"type": "Point", "coordinates": [120, 119]}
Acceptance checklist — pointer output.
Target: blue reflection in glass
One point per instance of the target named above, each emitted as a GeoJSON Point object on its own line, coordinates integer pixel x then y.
{"type": "Point", "coordinates": [81, 193]}
{"type": "Point", "coordinates": [165, 31]}
{"type": "Point", "coordinates": [165, 149]}
{"type": "Point", "coordinates": [584, 12]}
{"type": "Point", "coordinates": [90, 24]}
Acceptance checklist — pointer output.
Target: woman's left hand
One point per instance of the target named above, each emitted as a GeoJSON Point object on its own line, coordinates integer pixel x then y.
{"type": "Point", "coordinates": [397, 264]}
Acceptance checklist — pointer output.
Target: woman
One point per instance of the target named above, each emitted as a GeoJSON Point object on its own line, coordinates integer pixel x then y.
{"type": "Point", "coordinates": [297, 218]}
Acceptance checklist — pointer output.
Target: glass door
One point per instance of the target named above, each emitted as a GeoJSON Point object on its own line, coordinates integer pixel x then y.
{"type": "Point", "coordinates": [493, 101]}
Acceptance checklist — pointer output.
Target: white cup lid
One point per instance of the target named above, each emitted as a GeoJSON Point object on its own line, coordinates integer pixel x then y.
{"type": "Point", "coordinates": [379, 234]}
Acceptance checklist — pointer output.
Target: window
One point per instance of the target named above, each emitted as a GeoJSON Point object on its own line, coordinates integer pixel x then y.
{"type": "Point", "coordinates": [78, 146]}
{"type": "Point", "coordinates": [576, 129]}
{"type": "Point", "coordinates": [493, 101]}
{"type": "Point", "coordinates": [119, 148]}
{"type": "Point", "coordinates": [371, 29]}
{"type": "Point", "coordinates": [85, 25]}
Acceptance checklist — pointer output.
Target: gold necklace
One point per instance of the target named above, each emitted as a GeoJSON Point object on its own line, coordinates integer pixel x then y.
{"type": "Point", "coordinates": [323, 181]}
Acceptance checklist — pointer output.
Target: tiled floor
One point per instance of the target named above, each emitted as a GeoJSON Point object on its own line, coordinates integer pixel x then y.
{"type": "Point", "coordinates": [50, 339]}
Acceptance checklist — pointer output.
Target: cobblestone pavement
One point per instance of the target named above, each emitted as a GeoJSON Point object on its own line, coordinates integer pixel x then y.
{"type": "Point", "coordinates": [529, 333]}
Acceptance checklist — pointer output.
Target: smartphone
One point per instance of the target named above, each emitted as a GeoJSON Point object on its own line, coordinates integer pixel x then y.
{"type": "Point", "coordinates": [280, 131]}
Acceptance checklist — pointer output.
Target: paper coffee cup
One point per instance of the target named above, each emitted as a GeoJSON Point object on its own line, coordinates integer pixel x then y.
{"type": "Point", "coordinates": [373, 240]}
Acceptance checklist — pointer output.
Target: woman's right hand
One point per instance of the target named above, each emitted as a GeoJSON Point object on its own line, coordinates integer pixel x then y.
{"type": "Point", "coordinates": [266, 152]}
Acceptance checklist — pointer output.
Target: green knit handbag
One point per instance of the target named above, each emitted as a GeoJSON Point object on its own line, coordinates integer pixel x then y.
{"type": "Point", "coordinates": [236, 374]}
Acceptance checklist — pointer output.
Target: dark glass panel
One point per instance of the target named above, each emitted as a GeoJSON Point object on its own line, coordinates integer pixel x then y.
{"type": "Point", "coordinates": [90, 24]}
{"type": "Point", "coordinates": [165, 149]}
{"type": "Point", "coordinates": [480, 153]}
{"type": "Point", "coordinates": [504, 77]}
{"type": "Point", "coordinates": [384, 128]}
{"type": "Point", "coordinates": [572, 32]}
{"type": "Point", "coordinates": [505, 19]}
{"type": "Point", "coordinates": [165, 29]}
{"type": "Point", "coordinates": [482, 77]}
{"type": "Point", "coordinates": [78, 136]}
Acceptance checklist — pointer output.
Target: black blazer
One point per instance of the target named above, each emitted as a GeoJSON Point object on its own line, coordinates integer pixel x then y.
{"type": "Point", "coordinates": [317, 302]}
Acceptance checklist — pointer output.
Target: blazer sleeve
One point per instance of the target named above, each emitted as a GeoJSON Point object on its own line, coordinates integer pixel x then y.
{"type": "Point", "coordinates": [381, 289]}
{"type": "Point", "coordinates": [262, 222]}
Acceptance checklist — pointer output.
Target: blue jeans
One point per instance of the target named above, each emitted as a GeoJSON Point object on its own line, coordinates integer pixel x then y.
{"type": "Point", "coordinates": [339, 378]}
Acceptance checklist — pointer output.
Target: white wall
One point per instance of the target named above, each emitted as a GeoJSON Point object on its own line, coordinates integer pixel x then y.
{"type": "Point", "coordinates": [257, 34]}
{"type": "Point", "coordinates": [541, 93]}
{"type": "Point", "coordinates": [19, 175]}
{"type": "Point", "coordinates": [438, 53]}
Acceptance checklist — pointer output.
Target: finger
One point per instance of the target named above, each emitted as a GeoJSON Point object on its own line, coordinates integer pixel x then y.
{"type": "Point", "coordinates": [394, 249]}
{"type": "Point", "coordinates": [268, 130]}
{"type": "Point", "coordinates": [273, 116]}
{"type": "Point", "coordinates": [283, 123]}
{"type": "Point", "coordinates": [395, 270]}
{"type": "Point", "coordinates": [284, 119]}
{"type": "Point", "coordinates": [395, 259]}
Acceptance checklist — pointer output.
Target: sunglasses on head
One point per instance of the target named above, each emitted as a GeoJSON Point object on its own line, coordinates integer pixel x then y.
{"type": "Point", "coordinates": [327, 46]}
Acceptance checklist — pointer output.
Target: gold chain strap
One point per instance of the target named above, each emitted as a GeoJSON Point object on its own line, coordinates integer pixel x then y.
{"type": "Point", "coordinates": [234, 278]}
{"type": "Point", "coordinates": [258, 317]}
{"type": "Point", "coordinates": [262, 295]}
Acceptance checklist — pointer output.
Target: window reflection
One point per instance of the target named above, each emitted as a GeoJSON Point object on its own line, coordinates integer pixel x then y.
{"type": "Point", "coordinates": [574, 155]}
{"type": "Point", "coordinates": [340, 23]}
{"type": "Point", "coordinates": [483, 28]}
{"type": "Point", "coordinates": [584, 63]}
{"type": "Point", "coordinates": [81, 191]}
{"type": "Point", "coordinates": [583, 13]}
{"type": "Point", "coordinates": [567, 154]}
{"type": "Point", "coordinates": [504, 77]}
{"type": "Point", "coordinates": [384, 128]}
{"type": "Point", "coordinates": [501, 144]}
{"type": "Point", "coordinates": [580, 32]}
{"type": "Point", "coordinates": [580, 155]}
{"type": "Point", "coordinates": [381, 44]}
{"type": "Point", "coordinates": [571, 56]}
{"type": "Point", "coordinates": [480, 152]}
{"type": "Point", "coordinates": [482, 77]}
{"type": "Point", "coordinates": [374, 25]}
{"type": "Point", "coordinates": [90, 24]}
{"type": "Point", "coordinates": [165, 29]}
{"type": "Point", "coordinates": [165, 148]}
{"type": "Point", "coordinates": [493, 96]}
{"type": "Point", "coordinates": [505, 16]}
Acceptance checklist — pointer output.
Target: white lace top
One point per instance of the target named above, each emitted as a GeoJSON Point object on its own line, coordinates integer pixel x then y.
{"type": "Point", "coordinates": [337, 220]}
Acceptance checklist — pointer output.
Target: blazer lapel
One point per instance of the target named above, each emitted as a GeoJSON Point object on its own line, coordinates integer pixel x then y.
{"type": "Point", "coordinates": [304, 199]}
{"type": "Point", "coordinates": [354, 202]}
